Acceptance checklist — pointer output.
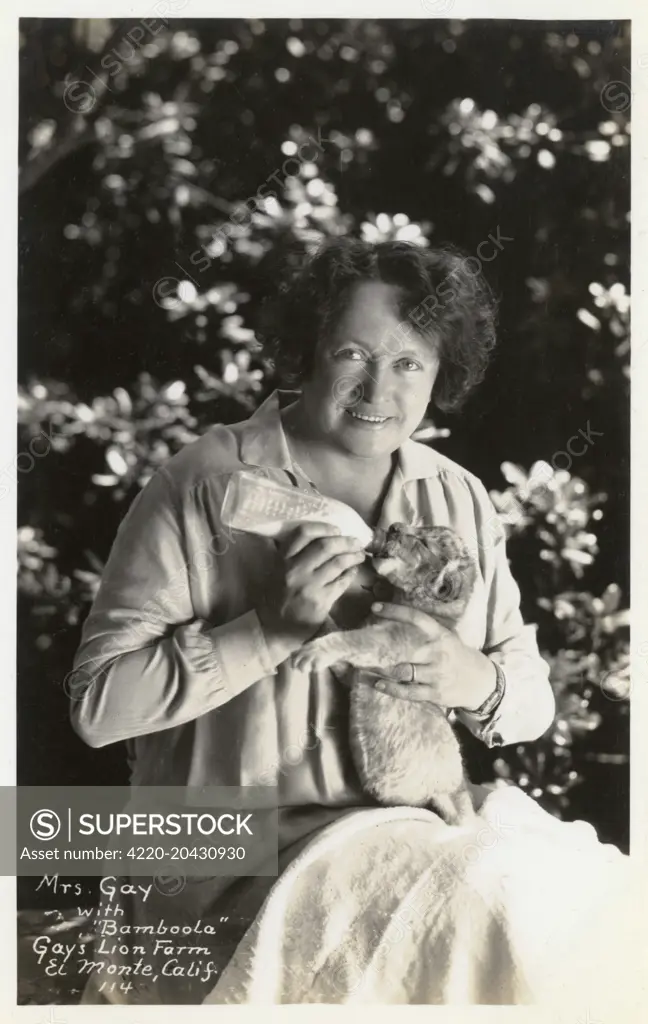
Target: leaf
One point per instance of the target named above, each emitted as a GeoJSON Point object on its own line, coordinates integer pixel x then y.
{"type": "Point", "coordinates": [540, 474]}
{"type": "Point", "coordinates": [611, 597]}
{"type": "Point", "coordinates": [547, 538]}
{"type": "Point", "coordinates": [580, 557]}
{"type": "Point", "coordinates": [514, 474]}
{"type": "Point", "coordinates": [84, 412]}
{"type": "Point", "coordinates": [117, 462]}
{"type": "Point", "coordinates": [174, 391]}
{"type": "Point", "coordinates": [230, 373]}
{"type": "Point", "coordinates": [429, 433]}
{"type": "Point", "coordinates": [589, 319]}
{"type": "Point", "coordinates": [94, 561]}
{"type": "Point", "coordinates": [123, 401]}
{"type": "Point", "coordinates": [86, 577]}
{"type": "Point", "coordinates": [618, 620]}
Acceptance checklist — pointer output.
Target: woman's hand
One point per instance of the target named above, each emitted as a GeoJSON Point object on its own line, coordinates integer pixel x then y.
{"type": "Point", "coordinates": [317, 566]}
{"type": "Point", "coordinates": [447, 672]}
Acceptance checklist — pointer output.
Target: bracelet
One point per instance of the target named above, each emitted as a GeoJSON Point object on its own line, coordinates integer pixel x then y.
{"type": "Point", "coordinates": [493, 701]}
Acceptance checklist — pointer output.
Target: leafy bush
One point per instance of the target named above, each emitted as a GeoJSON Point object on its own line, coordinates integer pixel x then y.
{"type": "Point", "coordinates": [158, 214]}
{"type": "Point", "coordinates": [583, 638]}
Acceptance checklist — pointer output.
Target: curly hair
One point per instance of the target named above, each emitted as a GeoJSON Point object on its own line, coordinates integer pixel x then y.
{"type": "Point", "coordinates": [438, 297]}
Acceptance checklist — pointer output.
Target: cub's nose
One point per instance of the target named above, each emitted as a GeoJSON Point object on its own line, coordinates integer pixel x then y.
{"type": "Point", "coordinates": [396, 528]}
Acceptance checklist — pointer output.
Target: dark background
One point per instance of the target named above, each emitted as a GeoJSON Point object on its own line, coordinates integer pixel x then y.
{"type": "Point", "coordinates": [464, 128]}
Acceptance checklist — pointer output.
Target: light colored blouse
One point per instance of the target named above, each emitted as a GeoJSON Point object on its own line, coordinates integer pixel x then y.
{"type": "Point", "coordinates": [174, 660]}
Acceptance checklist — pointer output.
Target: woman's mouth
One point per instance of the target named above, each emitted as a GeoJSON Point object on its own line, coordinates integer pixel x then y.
{"type": "Point", "coordinates": [363, 419]}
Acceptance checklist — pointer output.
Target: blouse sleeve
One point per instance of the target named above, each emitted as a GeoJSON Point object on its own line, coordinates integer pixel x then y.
{"type": "Point", "coordinates": [145, 662]}
{"type": "Point", "coordinates": [527, 707]}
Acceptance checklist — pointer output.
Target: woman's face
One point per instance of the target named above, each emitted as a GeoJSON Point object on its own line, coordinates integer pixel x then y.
{"type": "Point", "coordinates": [372, 380]}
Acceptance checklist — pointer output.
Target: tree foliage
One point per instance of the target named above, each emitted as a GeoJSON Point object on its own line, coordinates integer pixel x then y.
{"type": "Point", "coordinates": [170, 176]}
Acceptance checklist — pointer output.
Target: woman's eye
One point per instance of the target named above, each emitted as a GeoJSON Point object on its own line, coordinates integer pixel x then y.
{"type": "Point", "coordinates": [409, 364]}
{"type": "Point", "coordinates": [350, 353]}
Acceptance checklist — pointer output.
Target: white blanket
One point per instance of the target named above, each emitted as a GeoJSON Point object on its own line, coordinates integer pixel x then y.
{"type": "Point", "coordinates": [391, 905]}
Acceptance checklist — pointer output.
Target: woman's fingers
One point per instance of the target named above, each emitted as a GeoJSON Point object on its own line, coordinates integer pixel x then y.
{"type": "Point", "coordinates": [331, 570]}
{"type": "Point", "coordinates": [315, 558]}
{"type": "Point", "coordinates": [316, 570]}
{"type": "Point", "coordinates": [322, 550]}
{"type": "Point", "coordinates": [403, 613]}
{"type": "Point", "coordinates": [406, 691]}
{"type": "Point", "coordinates": [303, 534]}
{"type": "Point", "coordinates": [403, 673]}
{"type": "Point", "coordinates": [337, 587]}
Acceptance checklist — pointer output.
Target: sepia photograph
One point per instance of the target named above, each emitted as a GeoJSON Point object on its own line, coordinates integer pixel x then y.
{"type": "Point", "coordinates": [323, 496]}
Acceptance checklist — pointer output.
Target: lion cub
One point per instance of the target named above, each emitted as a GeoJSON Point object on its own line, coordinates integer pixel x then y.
{"type": "Point", "coordinates": [405, 753]}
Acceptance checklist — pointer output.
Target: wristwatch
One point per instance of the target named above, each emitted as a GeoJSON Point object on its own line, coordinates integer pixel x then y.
{"type": "Point", "coordinates": [493, 701]}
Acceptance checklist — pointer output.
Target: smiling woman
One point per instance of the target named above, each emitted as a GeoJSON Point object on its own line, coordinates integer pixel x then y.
{"type": "Point", "coordinates": [209, 694]}
{"type": "Point", "coordinates": [372, 333]}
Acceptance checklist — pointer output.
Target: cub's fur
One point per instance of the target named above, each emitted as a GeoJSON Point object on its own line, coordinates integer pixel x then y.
{"type": "Point", "coordinates": [405, 752]}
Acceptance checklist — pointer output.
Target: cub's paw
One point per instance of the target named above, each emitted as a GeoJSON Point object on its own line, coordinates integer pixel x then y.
{"type": "Point", "coordinates": [312, 657]}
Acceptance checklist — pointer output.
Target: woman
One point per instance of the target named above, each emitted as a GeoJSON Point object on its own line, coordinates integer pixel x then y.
{"type": "Point", "coordinates": [186, 652]}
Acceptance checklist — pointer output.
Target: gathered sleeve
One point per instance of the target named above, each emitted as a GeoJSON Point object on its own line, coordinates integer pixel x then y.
{"type": "Point", "coordinates": [527, 708]}
{"type": "Point", "coordinates": [146, 662]}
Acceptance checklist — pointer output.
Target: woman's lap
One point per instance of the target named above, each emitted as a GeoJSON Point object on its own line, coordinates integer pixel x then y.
{"type": "Point", "coordinates": [502, 913]}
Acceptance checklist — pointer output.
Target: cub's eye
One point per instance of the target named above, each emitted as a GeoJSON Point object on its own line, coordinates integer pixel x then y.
{"type": "Point", "coordinates": [446, 590]}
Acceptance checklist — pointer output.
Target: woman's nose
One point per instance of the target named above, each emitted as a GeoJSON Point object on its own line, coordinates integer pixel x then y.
{"type": "Point", "coordinates": [376, 383]}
